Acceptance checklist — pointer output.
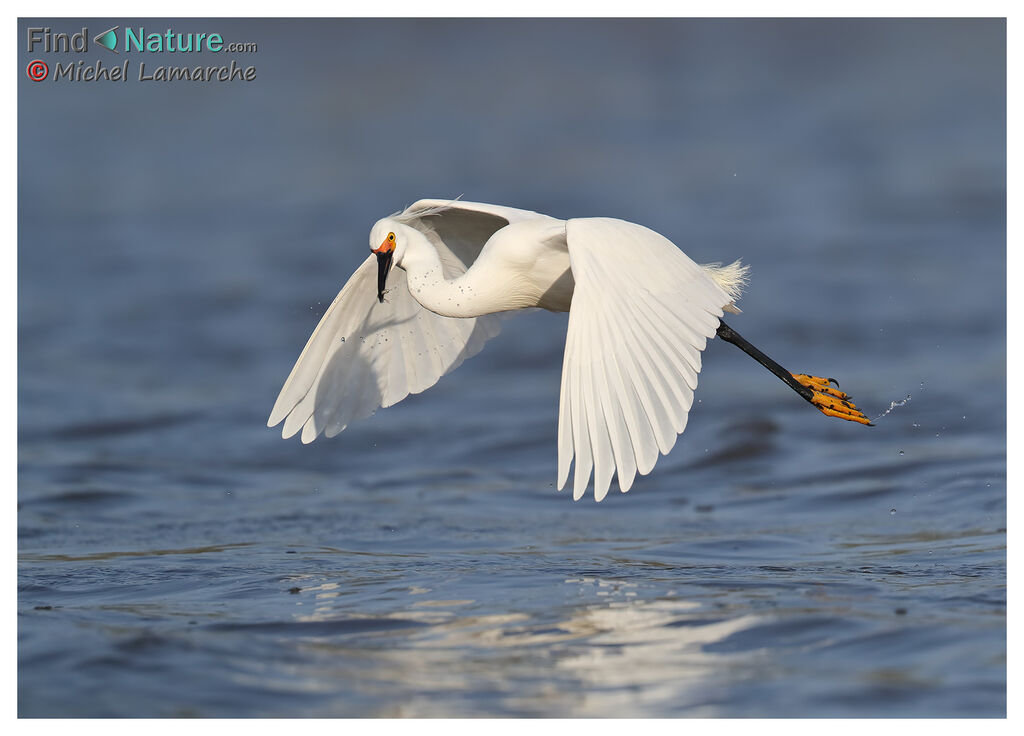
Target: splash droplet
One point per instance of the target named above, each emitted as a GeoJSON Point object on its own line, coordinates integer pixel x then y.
{"type": "Point", "coordinates": [900, 452]}
{"type": "Point", "coordinates": [893, 405]}
{"type": "Point", "coordinates": [892, 512]}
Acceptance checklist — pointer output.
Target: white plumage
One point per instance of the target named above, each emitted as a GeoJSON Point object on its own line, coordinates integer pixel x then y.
{"type": "Point", "coordinates": [640, 313]}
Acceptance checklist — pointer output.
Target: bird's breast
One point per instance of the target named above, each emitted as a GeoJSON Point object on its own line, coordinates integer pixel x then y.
{"type": "Point", "coordinates": [532, 260]}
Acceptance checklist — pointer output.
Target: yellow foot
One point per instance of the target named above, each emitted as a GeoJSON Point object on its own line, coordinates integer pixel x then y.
{"type": "Point", "coordinates": [831, 401]}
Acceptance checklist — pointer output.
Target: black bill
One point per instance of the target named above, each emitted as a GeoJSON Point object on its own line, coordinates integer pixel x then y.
{"type": "Point", "coordinates": [383, 266]}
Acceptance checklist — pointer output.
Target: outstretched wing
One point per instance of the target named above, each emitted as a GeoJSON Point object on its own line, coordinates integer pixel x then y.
{"type": "Point", "coordinates": [365, 355]}
{"type": "Point", "coordinates": [641, 314]}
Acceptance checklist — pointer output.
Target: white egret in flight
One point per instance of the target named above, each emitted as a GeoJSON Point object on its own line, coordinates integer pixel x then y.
{"type": "Point", "coordinates": [640, 313]}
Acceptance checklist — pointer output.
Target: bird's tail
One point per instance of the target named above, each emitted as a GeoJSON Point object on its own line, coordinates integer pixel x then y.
{"type": "Point", "coordinates": [732, 278]}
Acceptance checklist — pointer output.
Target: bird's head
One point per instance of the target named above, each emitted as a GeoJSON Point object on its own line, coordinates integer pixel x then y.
{"type": "Point", "coordinates": [387, 242]}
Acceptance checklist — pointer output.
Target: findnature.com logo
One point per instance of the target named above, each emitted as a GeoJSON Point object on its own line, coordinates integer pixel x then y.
{"type": "Point", "coordinates": [136, 40]}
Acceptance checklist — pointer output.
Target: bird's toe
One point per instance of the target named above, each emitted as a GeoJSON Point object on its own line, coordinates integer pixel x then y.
{"type": "Point", "coordinates": [831, 401]}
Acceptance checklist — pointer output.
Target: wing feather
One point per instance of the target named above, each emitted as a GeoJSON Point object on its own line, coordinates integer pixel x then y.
{"type": "Point", "coordinates": [565, 416]}
{"type": "Point", "coordinates": [623, 405]}
{"type": "Point", "coordinates": [594, 389]}
{"type": "Point", "coordinates": [365, 355]}
{"type": "Point", "coordinates": [621, 452]}
{"type": "Point", "coordinates": [641, 314]}
{"type": "Point", "coordinates": [643, 431]}
{"type": "Point", "coordinates": [581, 431]}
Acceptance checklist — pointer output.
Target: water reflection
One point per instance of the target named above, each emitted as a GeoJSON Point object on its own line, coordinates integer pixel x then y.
{"type": "Point", "coordinates": [622, 656]}
{"type": "Point", "coordinates": [645, 654]}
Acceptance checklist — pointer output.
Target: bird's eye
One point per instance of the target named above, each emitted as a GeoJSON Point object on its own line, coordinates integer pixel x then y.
{"type": "Point", "coordinates": [391, 237]}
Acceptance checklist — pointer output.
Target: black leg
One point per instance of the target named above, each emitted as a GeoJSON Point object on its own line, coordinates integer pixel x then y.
{"type": "Point", "coordinates": [817, 391]}
{"type": "Point", "coordinates": [730, 335]}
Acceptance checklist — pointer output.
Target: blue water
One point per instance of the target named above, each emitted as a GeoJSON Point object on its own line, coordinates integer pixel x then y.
{"type": "Point", "coordinates": [179, 241]}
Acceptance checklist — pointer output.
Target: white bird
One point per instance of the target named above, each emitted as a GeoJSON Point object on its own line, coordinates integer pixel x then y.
{"type": "Point", "coordinates": [640, 313]}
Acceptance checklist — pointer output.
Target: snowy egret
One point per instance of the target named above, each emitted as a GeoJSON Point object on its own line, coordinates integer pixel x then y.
{"type": "Point", "coordinates": [640, 313]}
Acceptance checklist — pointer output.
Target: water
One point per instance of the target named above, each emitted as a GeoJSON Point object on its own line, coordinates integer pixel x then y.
{"type": "Point", "coordinates": [178, 242]}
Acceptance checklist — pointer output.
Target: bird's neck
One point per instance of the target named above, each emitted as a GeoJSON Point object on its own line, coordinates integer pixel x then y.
{"type": "Point", "coordinates": [470, 295]}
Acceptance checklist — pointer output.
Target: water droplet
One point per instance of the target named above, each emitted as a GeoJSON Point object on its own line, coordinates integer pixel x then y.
{"type": "Point", "coordinates": [893, 405]}
{"type": "Point", "coordinates": [892, 512]}
{"type": "Point", "coordinates": [916, 425]}
{"type": "Point", "coordinates": [901, 452]}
